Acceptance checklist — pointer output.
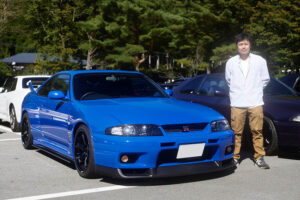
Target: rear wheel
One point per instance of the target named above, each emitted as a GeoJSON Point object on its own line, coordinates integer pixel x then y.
{"type": "Point", "coordinates": [26, 136]}
{"type": "Point", "coordinates": [83, 153]}
{"type": "Point", "coordinates": [270, 137]}
{"type": "Point", "coordinates": [14, 125]}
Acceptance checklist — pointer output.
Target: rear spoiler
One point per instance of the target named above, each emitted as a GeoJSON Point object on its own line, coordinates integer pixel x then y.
{"type": "Point", "coordinates": [31, 87]}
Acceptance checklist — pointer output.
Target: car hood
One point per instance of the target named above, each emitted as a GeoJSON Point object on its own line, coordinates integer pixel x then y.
{"type": "Point", "coordinates": [157, 111]}
{"type": "Point", "coordinates": [282, 107]}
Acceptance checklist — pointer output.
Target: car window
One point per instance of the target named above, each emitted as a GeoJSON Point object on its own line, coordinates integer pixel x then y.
{"type": "Point", "coordinates": [36, 81]}
{"type": "Point", "coordinates": [102, 85]}
{"type": "Point", "coordinates": [275, 87]}
{"type": "Point", "coordinates": [10, 84]}
{"type": "Point", "coordinates": [59, 82]}
{"type": "Point", "coordinates": [192, 86]}
{"type": "Point", "coordinates": [211, 84]}
{"type": "Point", "coordinates": [297, 85]}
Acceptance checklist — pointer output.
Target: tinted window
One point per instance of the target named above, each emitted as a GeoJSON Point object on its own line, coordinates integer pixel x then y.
{"type": "Point", "coordinates": [100, 86]}
{"type": "Point", "coordinates": [36, 82]}
{"type": "Point", "coordinates": [60, 82]}
{"type": "Point", "coordinates": [275, 87]}
{"type": "Point", "coordinates": [10, 85]}
{"type": "Point", "coordinates": [297, 85]}
{"type": "Point", "coordinates": [211, 84]}
{"type": "Point", "coordinates": [192, 86]}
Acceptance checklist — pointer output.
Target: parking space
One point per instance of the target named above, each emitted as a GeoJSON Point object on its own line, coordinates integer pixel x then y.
{"type": "Point", "coordinates": [33, 174]}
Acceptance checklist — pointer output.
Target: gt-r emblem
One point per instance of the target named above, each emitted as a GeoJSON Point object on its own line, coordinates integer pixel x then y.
{"type": "Point", "coordinates": [186, 129]}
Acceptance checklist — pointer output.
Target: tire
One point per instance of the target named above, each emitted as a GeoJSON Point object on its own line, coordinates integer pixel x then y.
{"type": "Point", "coordinates": [14, 125]}
{"type": "Point", "coordinates": [83, 153]}
{"type": "Point", "coordinates": [26, 136]}
{"type": "Point", "coordinates": [270, 137]}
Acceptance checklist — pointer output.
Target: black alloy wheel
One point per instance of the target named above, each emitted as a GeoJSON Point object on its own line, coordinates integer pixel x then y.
{"type": "Point", "coordinates": [83, 153]}
{"type": "Point", "coordinates": [14, 125]}
{"type": "Point", "coordinates": [26, 136]}
{"type": "Point", "coordinates": [270, 137]}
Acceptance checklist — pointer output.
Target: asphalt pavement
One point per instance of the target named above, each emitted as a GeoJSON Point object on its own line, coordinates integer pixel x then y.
{"type": "Point", "coordinates": [33, 174]}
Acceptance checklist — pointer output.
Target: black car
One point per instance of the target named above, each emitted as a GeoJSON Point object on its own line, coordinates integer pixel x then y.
{"type": "Point", "coordinates": [281, 109]}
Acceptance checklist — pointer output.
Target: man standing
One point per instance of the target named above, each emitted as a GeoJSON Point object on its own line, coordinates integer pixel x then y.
{"type": "Point", "coordinates": [247, 75]}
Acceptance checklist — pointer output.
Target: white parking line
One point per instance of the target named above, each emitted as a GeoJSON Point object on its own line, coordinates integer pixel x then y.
{"type": "Point", "coordinates": [72, 193]}
{"type": "Point", "coordinates": [12, 139]}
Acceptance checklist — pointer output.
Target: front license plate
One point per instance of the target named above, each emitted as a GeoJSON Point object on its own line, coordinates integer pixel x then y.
{"type": "Point", "coordinates": [190, 150]}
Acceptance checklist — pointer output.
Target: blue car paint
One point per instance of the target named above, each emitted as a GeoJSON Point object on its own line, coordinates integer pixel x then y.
{"type": "Point", "coordinates": [53, 127]}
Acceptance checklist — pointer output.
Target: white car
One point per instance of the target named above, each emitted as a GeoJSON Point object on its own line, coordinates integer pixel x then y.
{"type": "Point", "coordinates": [12, 94]}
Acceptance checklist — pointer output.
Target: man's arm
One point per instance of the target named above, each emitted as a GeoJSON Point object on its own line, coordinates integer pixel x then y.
{"type": "Point", "coordinates": [265, 77]}
{"type": "Point", "coordinates": [227, 74]}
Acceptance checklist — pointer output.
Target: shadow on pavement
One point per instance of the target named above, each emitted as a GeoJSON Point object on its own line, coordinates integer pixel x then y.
{"type": "Point", "coordinates": [168, 181]}
{"type": "Point", "coordinates": [57, 158]}
{"type": "Point", "coordinates": [289, 153]}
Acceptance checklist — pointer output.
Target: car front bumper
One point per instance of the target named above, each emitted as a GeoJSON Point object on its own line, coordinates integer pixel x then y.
{"type": "Point", "coordinates": [156, 156]}
{"type": "Point", "coordinates": [167, 171]}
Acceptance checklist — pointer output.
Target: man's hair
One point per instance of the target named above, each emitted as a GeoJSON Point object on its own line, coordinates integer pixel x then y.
{"type": "Point", "coordinates": [241, 37]}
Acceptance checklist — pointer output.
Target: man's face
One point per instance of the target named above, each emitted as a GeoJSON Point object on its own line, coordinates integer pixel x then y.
{"type": "Point", "coordinates": [243, 47]}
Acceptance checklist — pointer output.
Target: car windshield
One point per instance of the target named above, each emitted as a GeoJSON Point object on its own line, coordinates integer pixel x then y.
{"type": "Point", "coordinates": [93, 86]}
{"type": "Point", "coordinates": [276, 87]}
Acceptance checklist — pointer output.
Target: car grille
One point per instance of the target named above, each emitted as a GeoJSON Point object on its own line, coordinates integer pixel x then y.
{"type": "Point", "coordinates": [169, 156]}
{"type": "Point", "coordinates": [173, 128]}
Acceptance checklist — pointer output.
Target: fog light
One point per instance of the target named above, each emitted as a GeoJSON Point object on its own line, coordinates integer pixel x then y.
{"type": "Point", "coordinates": [229, 149]}
{"type": "Point", "coordinates": [124, 159]}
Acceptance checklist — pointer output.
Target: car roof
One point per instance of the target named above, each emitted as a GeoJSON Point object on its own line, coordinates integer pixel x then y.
{"type": "Point", "coordinates": [97, 71]}
{"type": "Point", "coordinates": [29, 76]}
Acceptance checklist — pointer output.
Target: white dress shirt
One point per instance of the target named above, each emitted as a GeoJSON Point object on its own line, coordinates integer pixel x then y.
{"type": "Point", "coordinates": [246, 87]}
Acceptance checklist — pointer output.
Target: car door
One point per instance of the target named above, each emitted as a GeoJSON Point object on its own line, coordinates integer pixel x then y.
{"type": "Point", "coordinates": [54, 113]}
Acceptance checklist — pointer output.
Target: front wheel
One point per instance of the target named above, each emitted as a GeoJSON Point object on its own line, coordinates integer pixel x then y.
{"type": "Point", "coordinates": [14, 125]}
{"type": "Point", "coordinates": [270, 137]}
{"type": "Point", "coordinates": [26, 136]}
{"type": "Point", "coordinates": [83, 153]}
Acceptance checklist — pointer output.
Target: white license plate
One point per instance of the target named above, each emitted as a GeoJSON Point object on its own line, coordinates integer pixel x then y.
{"type": "Point", "coordinates": [190, 150]}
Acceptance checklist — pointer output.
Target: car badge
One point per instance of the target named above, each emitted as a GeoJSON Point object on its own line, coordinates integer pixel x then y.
{"type": "Point", "coordinates": [186, 129]}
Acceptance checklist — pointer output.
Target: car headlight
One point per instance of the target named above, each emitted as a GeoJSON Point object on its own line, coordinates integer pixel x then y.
{"type": "Point", "coordinates": [219, 125]}
{"type": "Point", "coordinates": [296, 118]}
{"type": "Point", "coordinates": [134, 130]}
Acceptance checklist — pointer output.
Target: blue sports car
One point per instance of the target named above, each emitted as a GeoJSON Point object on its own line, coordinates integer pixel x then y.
{"type": "Point", "coordinates": [121, 124]}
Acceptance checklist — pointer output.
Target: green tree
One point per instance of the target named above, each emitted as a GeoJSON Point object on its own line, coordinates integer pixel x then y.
{"type": "Point", "coordinates": [275, 27]}
{"type": "Point", "coordinates": [54, 31]}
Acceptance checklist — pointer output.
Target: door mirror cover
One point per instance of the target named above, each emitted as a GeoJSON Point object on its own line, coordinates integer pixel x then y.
{"type": "Point", "coordinates": [56, 95]}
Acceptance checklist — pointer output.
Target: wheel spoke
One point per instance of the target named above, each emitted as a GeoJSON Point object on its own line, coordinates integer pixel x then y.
{"type": "Point", "coordinates": [81, 148]}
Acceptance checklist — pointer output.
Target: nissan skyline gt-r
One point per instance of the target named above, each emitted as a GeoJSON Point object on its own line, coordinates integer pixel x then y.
{"type": "Point", "coordinates": [123, 125]}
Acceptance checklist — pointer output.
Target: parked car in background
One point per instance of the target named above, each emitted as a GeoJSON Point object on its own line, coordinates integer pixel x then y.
{"type": "Point", "coordinates": [171, 85]}
{"type": "Point", "coordinates": [292, 80]}
{"type": "Point", "coordinates": [12, 94]}
{"type": "Point", "coordinates": [121, 124]}
{"type": "Point", "coordinates": [281, 109]}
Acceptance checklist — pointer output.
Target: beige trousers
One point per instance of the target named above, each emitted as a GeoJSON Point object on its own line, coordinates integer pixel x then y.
{"type": "Point", "coordinates": [255, 116]}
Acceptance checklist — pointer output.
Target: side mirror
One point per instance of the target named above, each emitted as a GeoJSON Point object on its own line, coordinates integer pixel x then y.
{"type": "Point", "coordinates": [220, 93]}
{"type": "Point", "coordinates": [56, 95]}
{"type": "Point", "coordinates": [169, 92]}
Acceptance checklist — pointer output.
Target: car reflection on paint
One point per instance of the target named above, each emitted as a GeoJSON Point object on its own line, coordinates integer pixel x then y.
{"type": "Point", "coordinates": [121, 124]}
{"type": "Point", "coordinates": [281, 109]}
{"type": "Point", "coordinates": [292, 80]}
